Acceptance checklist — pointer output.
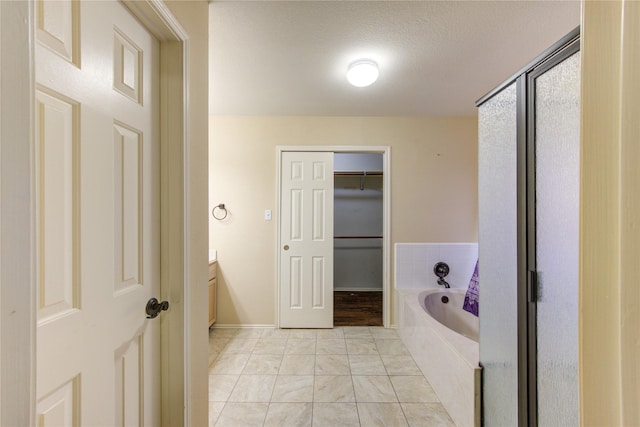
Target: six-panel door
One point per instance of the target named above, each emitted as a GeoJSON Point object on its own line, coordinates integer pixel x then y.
{"type": "Point", "coordinates": [306, 238]}
{"type": "Point", "coordinates": [97, 168]}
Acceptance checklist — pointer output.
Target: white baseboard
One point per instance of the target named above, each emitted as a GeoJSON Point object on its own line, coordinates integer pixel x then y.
{"type": "Point", "coordinates": [242, 326]}
{"type": "Point", "coordinates": [259, 326]}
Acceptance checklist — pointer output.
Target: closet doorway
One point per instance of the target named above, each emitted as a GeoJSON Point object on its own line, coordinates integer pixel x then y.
{"type": "Point", "coordinates": [359, 274]}
{"type": "Point", "coordinates": [358, 237]}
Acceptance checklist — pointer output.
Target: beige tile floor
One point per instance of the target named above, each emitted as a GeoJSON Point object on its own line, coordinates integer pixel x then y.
{"type": "Point", "coordinates": [348, 376]}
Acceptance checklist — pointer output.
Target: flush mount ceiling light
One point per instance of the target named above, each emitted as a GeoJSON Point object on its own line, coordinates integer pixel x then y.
{"type": "Point", "coordinates": [362, 72]}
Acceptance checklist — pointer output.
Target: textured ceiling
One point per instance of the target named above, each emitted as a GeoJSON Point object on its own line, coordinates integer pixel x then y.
{"type": "Point", "coordinates": [435, 57]}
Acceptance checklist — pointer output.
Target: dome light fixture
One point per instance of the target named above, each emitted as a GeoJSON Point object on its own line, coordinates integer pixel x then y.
{"type": "Point", "coordinates": [363, 72]}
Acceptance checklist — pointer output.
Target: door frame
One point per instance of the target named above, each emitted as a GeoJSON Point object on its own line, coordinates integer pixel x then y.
{"type": "Point", "coordinates": [386, 216]}
{"type": "Point", "coordinates": [17, 210]}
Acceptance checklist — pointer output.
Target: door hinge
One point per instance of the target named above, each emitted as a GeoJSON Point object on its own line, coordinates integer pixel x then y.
{"type": "Point", "coordinates": [532, 286]}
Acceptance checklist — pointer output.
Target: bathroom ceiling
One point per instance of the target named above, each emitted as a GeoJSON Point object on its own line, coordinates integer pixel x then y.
{"type": "Point", "coordinates": [435, 57]}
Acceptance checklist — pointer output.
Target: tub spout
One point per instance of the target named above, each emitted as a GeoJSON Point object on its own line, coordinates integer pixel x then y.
{"type": "Point", "coordinates": [444, 283]}
{"type": "Point", "coordinates": [441, 269]}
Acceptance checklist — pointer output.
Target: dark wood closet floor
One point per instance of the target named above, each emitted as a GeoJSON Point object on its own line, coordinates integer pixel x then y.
{"type": "Point", "coordinates": [357, 308]}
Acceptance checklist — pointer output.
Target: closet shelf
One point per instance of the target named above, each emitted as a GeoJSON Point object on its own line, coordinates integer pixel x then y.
{"type": "Point", "coordinates": [357, 173]}
{"type": "Point", "coordinates": [362, 174]}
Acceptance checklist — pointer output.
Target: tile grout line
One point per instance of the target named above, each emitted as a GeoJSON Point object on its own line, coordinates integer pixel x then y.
{"type": "Point", "coordinates": [353, 386]}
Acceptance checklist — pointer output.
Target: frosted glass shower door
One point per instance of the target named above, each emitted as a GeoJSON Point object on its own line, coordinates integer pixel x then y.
{"type": "Point", "coordinates": [498, 255]}
{"type": "Point", "coordinates": [557, 179]}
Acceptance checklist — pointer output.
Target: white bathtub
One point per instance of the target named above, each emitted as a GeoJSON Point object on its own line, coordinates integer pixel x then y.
{"type": "Point", "coordinates": [446, 308]}
{"type": "Point", "coordinates": [448, 359]}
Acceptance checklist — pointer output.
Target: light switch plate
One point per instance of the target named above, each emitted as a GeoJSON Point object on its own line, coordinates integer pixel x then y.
{"type": "Point", "coordinates": [267, 215]}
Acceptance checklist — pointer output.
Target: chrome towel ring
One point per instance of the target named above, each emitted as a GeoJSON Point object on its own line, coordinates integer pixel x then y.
{"type": "Point", "coordinates": [221, 215]}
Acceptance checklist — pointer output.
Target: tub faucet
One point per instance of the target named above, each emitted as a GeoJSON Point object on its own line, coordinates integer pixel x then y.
{"type": "Point", "coordinates": [441, 269]}
{"type": "Point", "coordinates": [444, 283]}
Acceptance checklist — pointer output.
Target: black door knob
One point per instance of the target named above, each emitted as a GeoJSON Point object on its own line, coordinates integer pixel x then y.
{"type": "Point", "coordinates": [154, 307]}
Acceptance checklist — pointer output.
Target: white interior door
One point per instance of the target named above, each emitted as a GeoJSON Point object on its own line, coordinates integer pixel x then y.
{"type": "Point", "coordinates": [97, 166]}
{"type": "Point", "coordinates": [306, 239]}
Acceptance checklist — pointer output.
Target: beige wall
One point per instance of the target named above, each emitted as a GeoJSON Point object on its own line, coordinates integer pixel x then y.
{"type": "Point", "coordinates": [610, 214]}
{"type": "Point", "coordinates": [193, 16]}
{"type": "Point", "coordinates": [433, 192]}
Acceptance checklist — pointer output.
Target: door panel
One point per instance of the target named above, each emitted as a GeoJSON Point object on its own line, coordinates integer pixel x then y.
{"type": "Point", "coordinates": [306, 255]}
{"type": "Point", "coordinates": [98, 215]}
{"type": "Point", "coordinates": [128, 168]}
{"type": "Point", "coordinates": [57, 154]}
{"type": "Point", "coordinates": [60, 408]}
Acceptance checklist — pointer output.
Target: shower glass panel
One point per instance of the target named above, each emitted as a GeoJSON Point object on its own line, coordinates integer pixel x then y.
{"type": "Point", "coordinates": [498, 255]}
{"type": "Point", "coordinates": [557, 156]}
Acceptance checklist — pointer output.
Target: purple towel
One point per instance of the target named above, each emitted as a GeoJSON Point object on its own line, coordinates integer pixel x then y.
{"type": "Point", "coordinates": [471, 298]}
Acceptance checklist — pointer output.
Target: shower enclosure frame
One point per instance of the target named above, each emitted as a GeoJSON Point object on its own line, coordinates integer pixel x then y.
{"type": "Point", "coordinates": [527, 290]}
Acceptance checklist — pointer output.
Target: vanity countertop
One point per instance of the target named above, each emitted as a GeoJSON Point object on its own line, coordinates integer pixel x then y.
{"type": "Point", "coordinates": [213, 255]}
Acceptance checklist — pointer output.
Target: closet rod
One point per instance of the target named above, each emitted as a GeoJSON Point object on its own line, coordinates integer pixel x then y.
{"type": "Point", "coordinates": [357, 237]}
{"type": "Point", "coordinates": [355, 173]}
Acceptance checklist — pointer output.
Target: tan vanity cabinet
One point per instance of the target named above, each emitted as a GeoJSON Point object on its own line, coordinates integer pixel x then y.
{"type": "Point", "coordinates": [213, 285]}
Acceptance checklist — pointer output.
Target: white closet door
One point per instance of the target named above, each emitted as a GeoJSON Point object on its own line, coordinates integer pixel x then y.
{"type": "Point", "coordinates": [306, 237]}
